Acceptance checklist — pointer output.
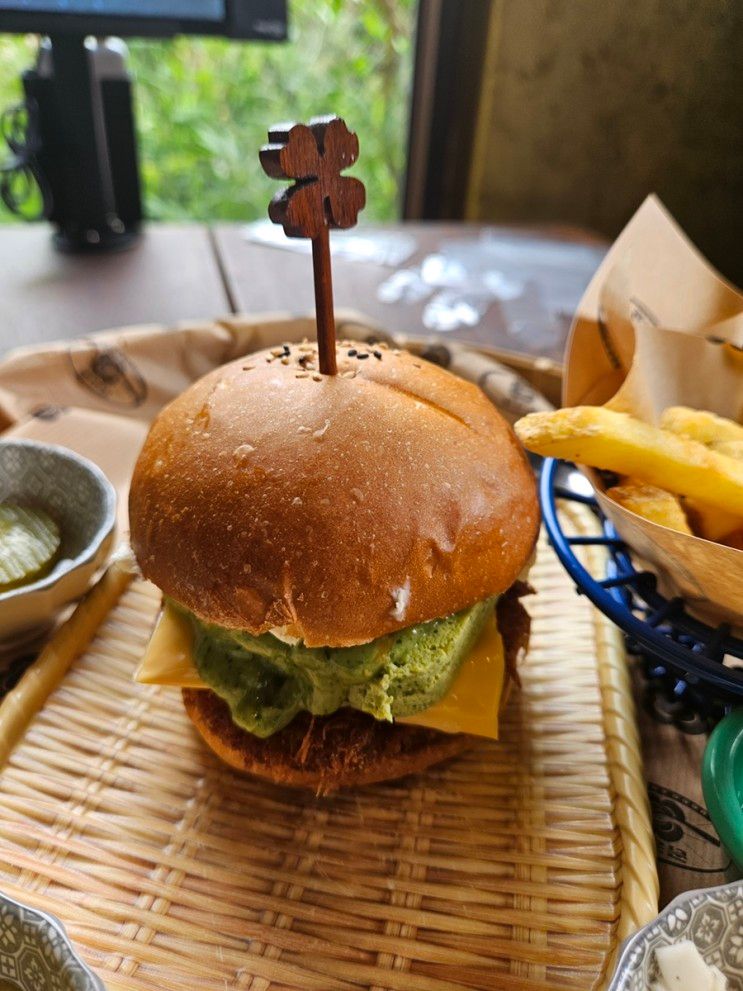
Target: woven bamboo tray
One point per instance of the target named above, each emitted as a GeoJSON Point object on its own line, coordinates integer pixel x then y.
{"type": "Point", "coordinates": [520, 865]}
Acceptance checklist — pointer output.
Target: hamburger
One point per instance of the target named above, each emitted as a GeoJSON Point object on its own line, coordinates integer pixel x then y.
{"type": "Point", "coordinates": [341, 560]}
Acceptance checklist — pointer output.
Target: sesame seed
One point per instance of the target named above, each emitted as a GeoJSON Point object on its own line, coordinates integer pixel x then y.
{"type": "Point", "coordinates": [277, 352]}
{"type": "Point", "coordinates": [362, 356]}
{"type": "Point", "coordinates": [377, 354]}
{"type": "Point", "coordinates": [302, 375]}
{"type": "Point", "coordinates": [350, 374]}
{"type": "Point", "coordinates": [284, 361]}
{"type": "Point", "coordinates": [317, 378]}
{"type": "Point", "coordinates": [352, 353]}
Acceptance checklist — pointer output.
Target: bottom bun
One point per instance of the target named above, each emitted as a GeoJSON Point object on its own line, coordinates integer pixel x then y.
{"type": "Point", "coordinates": [349, 747]}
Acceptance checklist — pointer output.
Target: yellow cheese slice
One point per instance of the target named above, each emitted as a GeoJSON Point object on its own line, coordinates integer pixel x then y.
{"type": "Point", "coordinates": [471, 705]}
{"type": "Point", "coordinates": [168, 659]}
{"type": "Point", "coordinates": [473, 702]}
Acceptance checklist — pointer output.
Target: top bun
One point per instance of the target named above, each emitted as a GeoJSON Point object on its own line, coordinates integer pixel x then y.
{"type": "Point", "coordinates": [342, 507]}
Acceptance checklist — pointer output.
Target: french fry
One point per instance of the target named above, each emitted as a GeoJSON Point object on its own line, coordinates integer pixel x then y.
{"type": "Point", "coordinates": [722, 435]}
{"type": "Point", "coordinates": [710, 522]}
{"type": "Point", "coordinates": [663, 507]}
{"type": "Point", "coordinates": [652, 504]}
{"type": "Point", "coordinates": [701, 425]}
{"type": "Point", "coordinates": [733, 448]}
{"type": "Point", "coordinates": [603, 438]}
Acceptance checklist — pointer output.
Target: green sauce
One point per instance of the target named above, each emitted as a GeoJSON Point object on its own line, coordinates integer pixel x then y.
{"type": "Point", "coordinates": [266, 682]}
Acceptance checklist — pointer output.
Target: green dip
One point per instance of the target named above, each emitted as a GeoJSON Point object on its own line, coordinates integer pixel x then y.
{"type": "Point", "coordinates": [266, 682]}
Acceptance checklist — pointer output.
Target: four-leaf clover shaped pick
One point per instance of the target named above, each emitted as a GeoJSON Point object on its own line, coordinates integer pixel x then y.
{"type": "Point", "coordinates": [314, 155]}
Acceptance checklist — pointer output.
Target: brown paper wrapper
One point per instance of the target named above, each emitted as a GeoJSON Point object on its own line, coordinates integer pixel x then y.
{"type": "Point", "coordinates": [659, 327]}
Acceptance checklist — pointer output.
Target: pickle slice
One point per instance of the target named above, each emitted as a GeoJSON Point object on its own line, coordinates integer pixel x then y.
{"type": "Point", "coordinates": [29, 542]}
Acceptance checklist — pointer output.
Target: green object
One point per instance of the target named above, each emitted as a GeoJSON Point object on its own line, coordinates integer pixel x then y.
{"type": "Point", "coordinates": [266, 682]}
{"type": "Point", "coordinates": [722, 782]}
{"type": "Point", "coordinates": [29, 542]}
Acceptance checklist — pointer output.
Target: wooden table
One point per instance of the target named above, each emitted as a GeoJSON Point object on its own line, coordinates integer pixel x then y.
{"type": "Point", "coordinates": [184, 271]}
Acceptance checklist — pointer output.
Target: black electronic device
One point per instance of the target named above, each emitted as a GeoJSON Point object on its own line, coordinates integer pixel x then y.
{"type": "Point", "coordinates": [258, 20]}
{"type": "Point", "coordinates": [79, 97]}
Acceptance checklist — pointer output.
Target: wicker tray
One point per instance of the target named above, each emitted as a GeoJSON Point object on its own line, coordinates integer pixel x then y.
{"type": "Point", "coordinates": [520, 865]}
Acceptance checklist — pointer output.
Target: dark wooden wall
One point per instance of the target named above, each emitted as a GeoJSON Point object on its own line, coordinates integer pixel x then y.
{"type": "Point", "coordinates": [588, 105]}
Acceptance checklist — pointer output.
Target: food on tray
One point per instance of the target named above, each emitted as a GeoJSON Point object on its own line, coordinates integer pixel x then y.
{"type": "Point", "coordinates": [733, 448]}
{"type": "Point", "coordinates": [701, 425]}
{"type": "Point", "coordinates": [618, 442]}
{"type": "Point", "coordinates": [29, 544]}
{"type": "Point", "coordinates": [341, 559]}
{"type": "Point", "coordinates": [709, 522]}
{"type": "Point", "coordinates": [651, 502]}
{"type": "Point", "coordinates": [722, 435]}
{"type": "Point", "coordinates": [682, 968]}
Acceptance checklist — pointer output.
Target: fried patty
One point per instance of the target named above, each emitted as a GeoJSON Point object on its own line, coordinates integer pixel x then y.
{"type": "Point", "coordinates": [348, 747]}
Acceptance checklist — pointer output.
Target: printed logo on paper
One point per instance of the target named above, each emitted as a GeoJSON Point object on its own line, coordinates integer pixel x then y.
{"type": "Point", "coordinates": [684, 834]}
{"type": "Point", "coordinates": [108, 373]}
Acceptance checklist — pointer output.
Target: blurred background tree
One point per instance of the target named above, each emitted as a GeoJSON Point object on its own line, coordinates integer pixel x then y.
{"type": "Point", "coordinates": [203, 105]}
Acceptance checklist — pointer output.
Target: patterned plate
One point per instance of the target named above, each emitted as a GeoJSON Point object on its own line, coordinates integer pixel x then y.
{"type": "Point", "coordinates": [712, 918]}
{"type": "Point", "coordinates": [36, 954]}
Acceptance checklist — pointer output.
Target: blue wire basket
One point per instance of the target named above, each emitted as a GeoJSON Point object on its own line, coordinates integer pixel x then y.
{"type": "Point", "coordinates": [687, 682]}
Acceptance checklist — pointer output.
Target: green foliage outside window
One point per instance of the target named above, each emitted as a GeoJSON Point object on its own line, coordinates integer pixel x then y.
{"type": "Point", "coordinates": [203, 104]}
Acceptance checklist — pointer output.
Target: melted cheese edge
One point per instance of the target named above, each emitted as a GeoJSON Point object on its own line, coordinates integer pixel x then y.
{"type": "Point", "coordinates": [472, 704]}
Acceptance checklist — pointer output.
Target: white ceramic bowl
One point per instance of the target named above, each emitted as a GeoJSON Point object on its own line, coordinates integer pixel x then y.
{"type": "Point", "coordinates": [712, 918]}
{"type": "Point", "coordinates": [75, 493]}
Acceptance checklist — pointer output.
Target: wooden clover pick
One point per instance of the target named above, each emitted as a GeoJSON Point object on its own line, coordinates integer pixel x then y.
{"type": "Point", "coordinates": [314, 155]}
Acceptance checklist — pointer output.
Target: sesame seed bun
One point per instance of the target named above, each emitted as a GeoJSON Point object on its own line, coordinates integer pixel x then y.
{"type": "Point", "coordinates": [341, 508]}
